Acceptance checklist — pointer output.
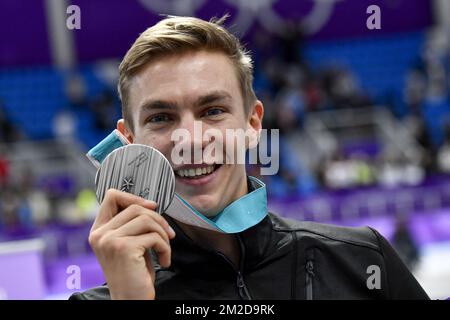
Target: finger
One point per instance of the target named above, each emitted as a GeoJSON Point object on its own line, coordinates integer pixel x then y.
{"type": "Point", "coordinates": [115, 201]}
{"type": "Point", "coordinates": [149, 264]}
{"type": "Point", "coordinates": [155, 242]}
{"type": "Point", "coordinates": [141, 225]}
{"type": "Point", "coordinates": [132, 212]}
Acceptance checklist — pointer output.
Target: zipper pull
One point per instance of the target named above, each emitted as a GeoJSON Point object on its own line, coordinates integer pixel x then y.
{"type": "Point", "coordinates": [240, 280]}
{"type": "Point", "coordinates": [310, 267]}
{"type": "Point", "coordinates": [243, 291]}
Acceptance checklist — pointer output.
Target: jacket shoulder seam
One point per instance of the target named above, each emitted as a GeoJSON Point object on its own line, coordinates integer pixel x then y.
{"type": "Point", "coordinates": [375, 248]}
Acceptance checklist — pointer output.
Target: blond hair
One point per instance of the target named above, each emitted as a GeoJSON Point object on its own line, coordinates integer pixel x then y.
{"type": "Point", "coordinates": [174, 35]}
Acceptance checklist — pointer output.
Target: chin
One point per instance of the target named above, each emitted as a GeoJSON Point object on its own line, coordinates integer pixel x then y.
{"type": "Point", "coordinates": [206, 204]}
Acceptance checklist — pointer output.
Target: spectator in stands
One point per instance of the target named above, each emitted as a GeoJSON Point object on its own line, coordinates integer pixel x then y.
{"type": "Point", "coordinates": [420, 133]}
{"type": "Point", "coordinates": [339, 173]}
{"type": "Point", "coordinates": [403, 241]}
{"type": "Point", "coordinates": [10, 205]}
{"type": "Point", "coordinates": [87, 204]}
{"type": "Point", "coordinates": [443, 156]}
{"type": "Point", "coordinates": [9, 132]}
{"type": "Point", "coordinates": [343, 90]}
{"type": "Point", "coordinates": [4, 172]}
{"type": "Point", "coordinates": [314, 95]}
{"type": "Point", "coordinates": [64, 126]}
{"type": "Point", "coordinates": [262, 47]}
{"type": "Point", "coordinates": [414, 91]}
{"type": "Point", "coordinates": [105, 111]}
{"type": "Point", "coordinates": [436, 110]}
{"type": "Point", "coordinates": [291, 43]}
{"type": "Point", "coordinates": [75, 90]}
{"type": "Point", "coordinates": [364, 170]}
{"type": "Point", "coordinates": [289, 109]}
{"type": "Point", "coordinates": [292, 178]}
{"type": "Point", "coordinates": [389, 173]}
{"type": "Point", "coordinates": [35, 208]}
{"type": "Point", "coordinates": [39, 206]}
{"type": "Point", "coordinates": [395, 170]}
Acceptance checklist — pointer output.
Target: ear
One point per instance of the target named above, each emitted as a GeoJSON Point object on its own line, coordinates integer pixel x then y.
{"type": "Point", "coordinates": [255, 118]}
{"type": "Point", "coordinates": [123, 129]}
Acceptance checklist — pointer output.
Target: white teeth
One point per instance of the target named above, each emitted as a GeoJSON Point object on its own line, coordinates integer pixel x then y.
{"type": "Point", "coordinates": [195, 172]}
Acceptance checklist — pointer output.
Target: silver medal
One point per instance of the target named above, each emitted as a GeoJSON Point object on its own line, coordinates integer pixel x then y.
{"type": "Point", "coordinates": [140, 170]}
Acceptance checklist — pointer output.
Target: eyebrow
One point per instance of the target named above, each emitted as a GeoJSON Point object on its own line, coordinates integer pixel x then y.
{"type": "Point", "coordinates": [211, 97]}
{"type": "Point", "coordinates": [214, 96]}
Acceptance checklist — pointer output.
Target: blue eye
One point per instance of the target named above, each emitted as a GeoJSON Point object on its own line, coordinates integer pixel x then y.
{"type": "Point", "coordinates": [159, 118]}
{"type": "Point", "coordinates": [214, 112]}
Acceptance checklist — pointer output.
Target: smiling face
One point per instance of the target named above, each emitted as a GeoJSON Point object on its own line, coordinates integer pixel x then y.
{"type": "Point", "coordinates": [173, 92]}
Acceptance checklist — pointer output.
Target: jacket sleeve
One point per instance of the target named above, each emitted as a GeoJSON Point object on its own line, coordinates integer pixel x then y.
{"type": "Point", "coordinates": [98, 293]}
{"type": "Point", "coordinates": [401, 283]}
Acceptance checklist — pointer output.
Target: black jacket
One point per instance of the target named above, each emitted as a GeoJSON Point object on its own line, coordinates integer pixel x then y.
{"type": "Point", "coordinates": [285, 259]}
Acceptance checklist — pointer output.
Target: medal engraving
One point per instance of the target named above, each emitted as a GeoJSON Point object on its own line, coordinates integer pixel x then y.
{"type": "Point", "coordinates": [140, 170]}
{"type": "Point", "coordinates": [144, 193]}
{"type": "Point", "coordinates": [127, 185]}
{"type": "Point", "coordinates": [140, 158]}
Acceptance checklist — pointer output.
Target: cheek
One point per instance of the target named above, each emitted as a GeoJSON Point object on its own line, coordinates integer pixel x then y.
{"type": "Point", "coordinates": [237, 129]}
{"type": "Point", "coordinates": [160, 142]}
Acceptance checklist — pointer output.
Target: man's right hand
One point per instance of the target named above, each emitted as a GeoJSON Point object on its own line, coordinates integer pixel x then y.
{"type": "Point", "coordinates": [125, 229]}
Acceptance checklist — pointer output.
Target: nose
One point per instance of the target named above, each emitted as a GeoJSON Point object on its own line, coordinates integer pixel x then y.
{"type": "Point", "coordinates": [192, 141]}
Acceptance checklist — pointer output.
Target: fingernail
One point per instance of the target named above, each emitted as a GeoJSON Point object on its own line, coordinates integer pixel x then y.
{"type": "Point", "coordinates": [151, 203]}
{"type": "Point", "coordinates": [172, 232]}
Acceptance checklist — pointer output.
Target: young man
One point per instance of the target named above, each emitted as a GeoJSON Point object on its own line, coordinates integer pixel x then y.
{"type": "Point", "coordinates": [185, 70]}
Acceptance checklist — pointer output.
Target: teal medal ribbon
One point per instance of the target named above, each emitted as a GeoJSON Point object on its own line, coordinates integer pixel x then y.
{"type": "Point", "coordinates": [240, 215]}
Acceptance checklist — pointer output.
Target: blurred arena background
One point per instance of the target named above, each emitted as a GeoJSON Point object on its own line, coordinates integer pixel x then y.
{"type": "Point", "coordinates": [364, 119]}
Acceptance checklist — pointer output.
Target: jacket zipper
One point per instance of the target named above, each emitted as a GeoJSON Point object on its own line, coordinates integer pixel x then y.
{"type": "Point", "coordinates": [244, 294]}
{"type": "Point", "coordinates": [309, 279]}
{"type": "Point", "coordinates": [243, 290]}
{"type": "Point", "coordinates": [309, 275]}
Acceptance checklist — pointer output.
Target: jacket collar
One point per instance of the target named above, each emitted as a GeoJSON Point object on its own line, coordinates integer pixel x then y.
{"type": "Point", "coordinates": [258, 242]}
